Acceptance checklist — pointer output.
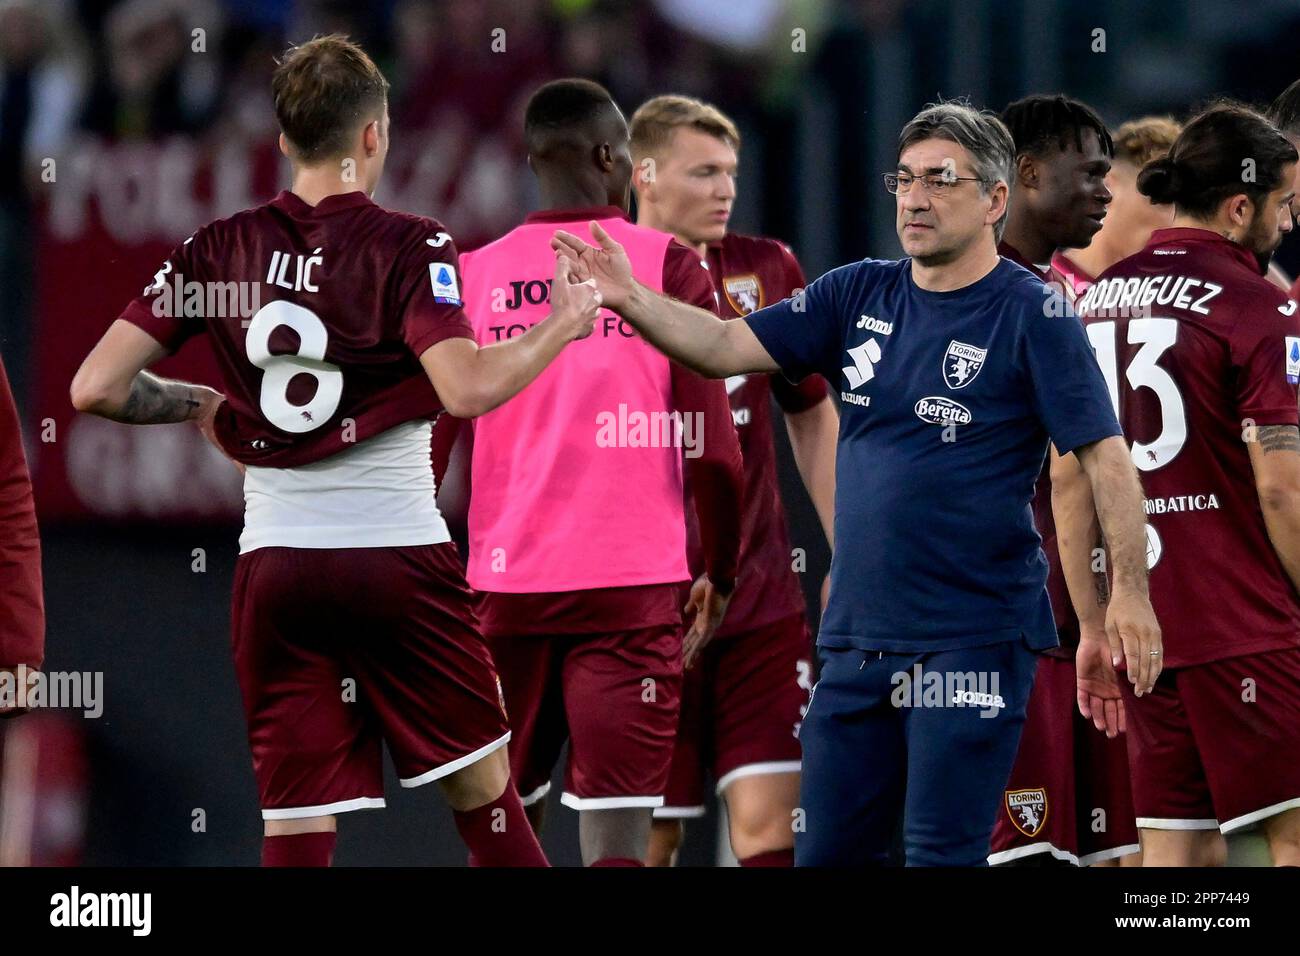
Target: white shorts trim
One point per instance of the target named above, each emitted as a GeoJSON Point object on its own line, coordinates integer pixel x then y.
{"type": "Point", "coordinates": [536, 795]}
{"type": "Point", "coordinates": [1031, 849]}
{"type": "Point", "coordinates": [1161, 823]}
{"type": "Point", "coordinates": [680, 813]}
{"type": "Point", "coordinates": [325, 809]}
{"type": "Point", "coordinates": [608, 803]}
{"type": "Point", "coordinates": [1245, 820]}
{"type": "Point", "coordinates": [1101, 856]}
{"type": "Point", "coordinates": [459, 763]}
{"type": "Point", "coordinates": [758, 769]}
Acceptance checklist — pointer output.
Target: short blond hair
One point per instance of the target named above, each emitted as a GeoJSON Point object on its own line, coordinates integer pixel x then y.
{"type": "Point", "coordinates": [1139, 141]}
{"type": "Point", "coordinates": [322, 90]}
{"type": "Point", "coordinates": [654, 123]}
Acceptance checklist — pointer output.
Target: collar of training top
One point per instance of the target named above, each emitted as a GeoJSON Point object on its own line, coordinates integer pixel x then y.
{"type": "Point", "coordinates": [576, 214]}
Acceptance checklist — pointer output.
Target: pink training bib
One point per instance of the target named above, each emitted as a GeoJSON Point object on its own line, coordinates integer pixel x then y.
{"type": "Point", "coordinates": [577, 480]}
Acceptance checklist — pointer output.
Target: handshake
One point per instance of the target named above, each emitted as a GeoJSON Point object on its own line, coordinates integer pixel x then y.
{"type": "Point", "coordinates": [574, 304]}
{"type": "Point", "coordinates": [587, 277]}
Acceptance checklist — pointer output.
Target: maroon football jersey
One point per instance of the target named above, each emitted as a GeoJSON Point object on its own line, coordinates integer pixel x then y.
{"type": "Point", "coordinates": [1197, 349]}
{"type": "Point", "coordinates": [22, 602]}
{"type": "Point", "coordinates": [348, 296]}
{"type": "Point", "coordinates": [1067, 624]}
{"type": "Point", "coordinates": [749, 273]}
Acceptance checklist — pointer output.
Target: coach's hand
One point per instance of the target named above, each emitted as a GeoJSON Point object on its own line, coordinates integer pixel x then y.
{"type": "Point", "coordinates": [705, 609]}
{"type": "Point", "coordinates": [608, 266]}
{"type": "Point", "coordinates": [1097, 683]}
{"type": "Point", "coordinates": [575, 304]}
{"type": "Point", "coordinates": [1134, 633]}
{"type": "Point", "coordinates": [9, 700]}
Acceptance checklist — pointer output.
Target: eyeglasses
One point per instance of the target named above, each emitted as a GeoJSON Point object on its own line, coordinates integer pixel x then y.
{"type": "Point", "coordinates": [936, 184]}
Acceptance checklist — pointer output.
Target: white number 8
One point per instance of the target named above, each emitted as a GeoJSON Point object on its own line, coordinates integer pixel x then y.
{"type": "Point", "coordinates": [280, 369]}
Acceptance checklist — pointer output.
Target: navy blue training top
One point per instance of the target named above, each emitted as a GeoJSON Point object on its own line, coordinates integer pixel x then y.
{"type": "Point", "coordinates": [948, 400]}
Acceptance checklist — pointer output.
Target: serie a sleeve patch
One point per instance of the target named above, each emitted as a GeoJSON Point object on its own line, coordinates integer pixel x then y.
{"type": "Point", "coordinates": [446, 288]}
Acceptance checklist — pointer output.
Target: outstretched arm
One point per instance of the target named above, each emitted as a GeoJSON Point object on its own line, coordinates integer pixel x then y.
{"type": "Point", "coordinates": [697, 339]}
{"type": "Point", "coordinates": [471, 380]}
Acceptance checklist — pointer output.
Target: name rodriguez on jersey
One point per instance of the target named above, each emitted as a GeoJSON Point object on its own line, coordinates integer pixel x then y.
{"type": "Point", "coordinates": [1126, 296]}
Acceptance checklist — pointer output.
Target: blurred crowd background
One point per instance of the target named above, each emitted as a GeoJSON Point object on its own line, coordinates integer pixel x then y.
{"type": "Point", "coordinates": [125, 124]}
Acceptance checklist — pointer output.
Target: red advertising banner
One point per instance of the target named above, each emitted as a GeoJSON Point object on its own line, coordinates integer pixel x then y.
{"type": "Point", "coordinates": [106, 224]}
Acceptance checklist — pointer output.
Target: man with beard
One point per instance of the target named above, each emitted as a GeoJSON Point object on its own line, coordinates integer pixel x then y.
{"type": "Point", "coordinates": [1202, 356]}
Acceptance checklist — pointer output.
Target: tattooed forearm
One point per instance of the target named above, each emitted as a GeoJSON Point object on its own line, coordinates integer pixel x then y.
{"type": "Point", "coordinates": [156, 401]}
{"type": "Point", "coordinates": [1278, 438]}
{"type": "Point", "coordinates": [1102, 584]}
{"type": "Point", "coordinates": [1100, 579]}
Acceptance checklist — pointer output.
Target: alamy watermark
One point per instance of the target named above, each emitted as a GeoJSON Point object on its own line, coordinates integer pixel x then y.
{"type": "Point", "coordinates": [626, 428]}
{"type": "Point", "coordinates": [29, 689]}
{"type": "Point", "coordinates": [927, 688]}
{"type": "Point", "coordinates": [180, 298]}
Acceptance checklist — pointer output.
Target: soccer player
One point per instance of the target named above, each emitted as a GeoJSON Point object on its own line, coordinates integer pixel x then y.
{"type": "Point", "coordinates": [1284, 113]}
{"type": "Point", "coordinates": [353, 624]}
{"type": "Point", "coordinates": [1202, 357]}
{"type": "Point", "coordinates": [577, 531]}
{"type": "Point", "coordinates": [743, 700]}
{"type": "Point", "coordinates": [22, 607]}
{"type": "Point", "coordinates": [1060, 198]}
{"type": "Point", "coordinates": [1068, 795]}
{"type": "Point", "coordinates": [953, 377]}
{"type": "Point", "coordinates": [1130, 217]}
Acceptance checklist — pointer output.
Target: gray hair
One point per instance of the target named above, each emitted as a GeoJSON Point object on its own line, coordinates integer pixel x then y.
{"type": "Point", "coordinates": [980, 132]}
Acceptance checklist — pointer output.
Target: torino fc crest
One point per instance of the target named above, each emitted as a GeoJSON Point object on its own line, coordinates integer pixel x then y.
{"type": "Point", "coordinates": [961, 363]}
{"type": "Point", "coordinates": [744, 293]}
{"type": "Point", "coordinates": [1027, 810]}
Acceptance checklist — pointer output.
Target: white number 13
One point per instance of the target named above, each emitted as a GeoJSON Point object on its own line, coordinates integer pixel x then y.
{"type": "Point", "coordinates": [1155, 336]}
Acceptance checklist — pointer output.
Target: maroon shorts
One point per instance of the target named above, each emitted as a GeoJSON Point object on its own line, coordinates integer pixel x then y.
{"type": "Point", "coordinates": [1068, 794]}
{"type": "Point", "coordinates": [613, 696]}
{"type": "Point", "coordinates": [741, 708]}
{"type": "Point", "coordinates": [1217, 745]}
{"type": "Point", "coordinates": [339, 651]}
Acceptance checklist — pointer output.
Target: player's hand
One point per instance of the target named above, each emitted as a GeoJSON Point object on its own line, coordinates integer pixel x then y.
{"type": "Point", "coordinates": [1097, 683]}
{"type": "Point", "coordinates": [1134, 636]}
{"type": "Point", "coordinates": [205, 420]}
{"type": "Point", "coordinates": [9, 701]}
{"type": "Point", "coordinates": [705, 609]}
{"type": "Point", "coordinates": [607, 265]}
{"type": "Point", "coordinates": [574, 304]}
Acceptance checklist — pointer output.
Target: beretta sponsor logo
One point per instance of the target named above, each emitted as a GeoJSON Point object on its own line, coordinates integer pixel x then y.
{"type": "Point", "coordinates": [942, 411]}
